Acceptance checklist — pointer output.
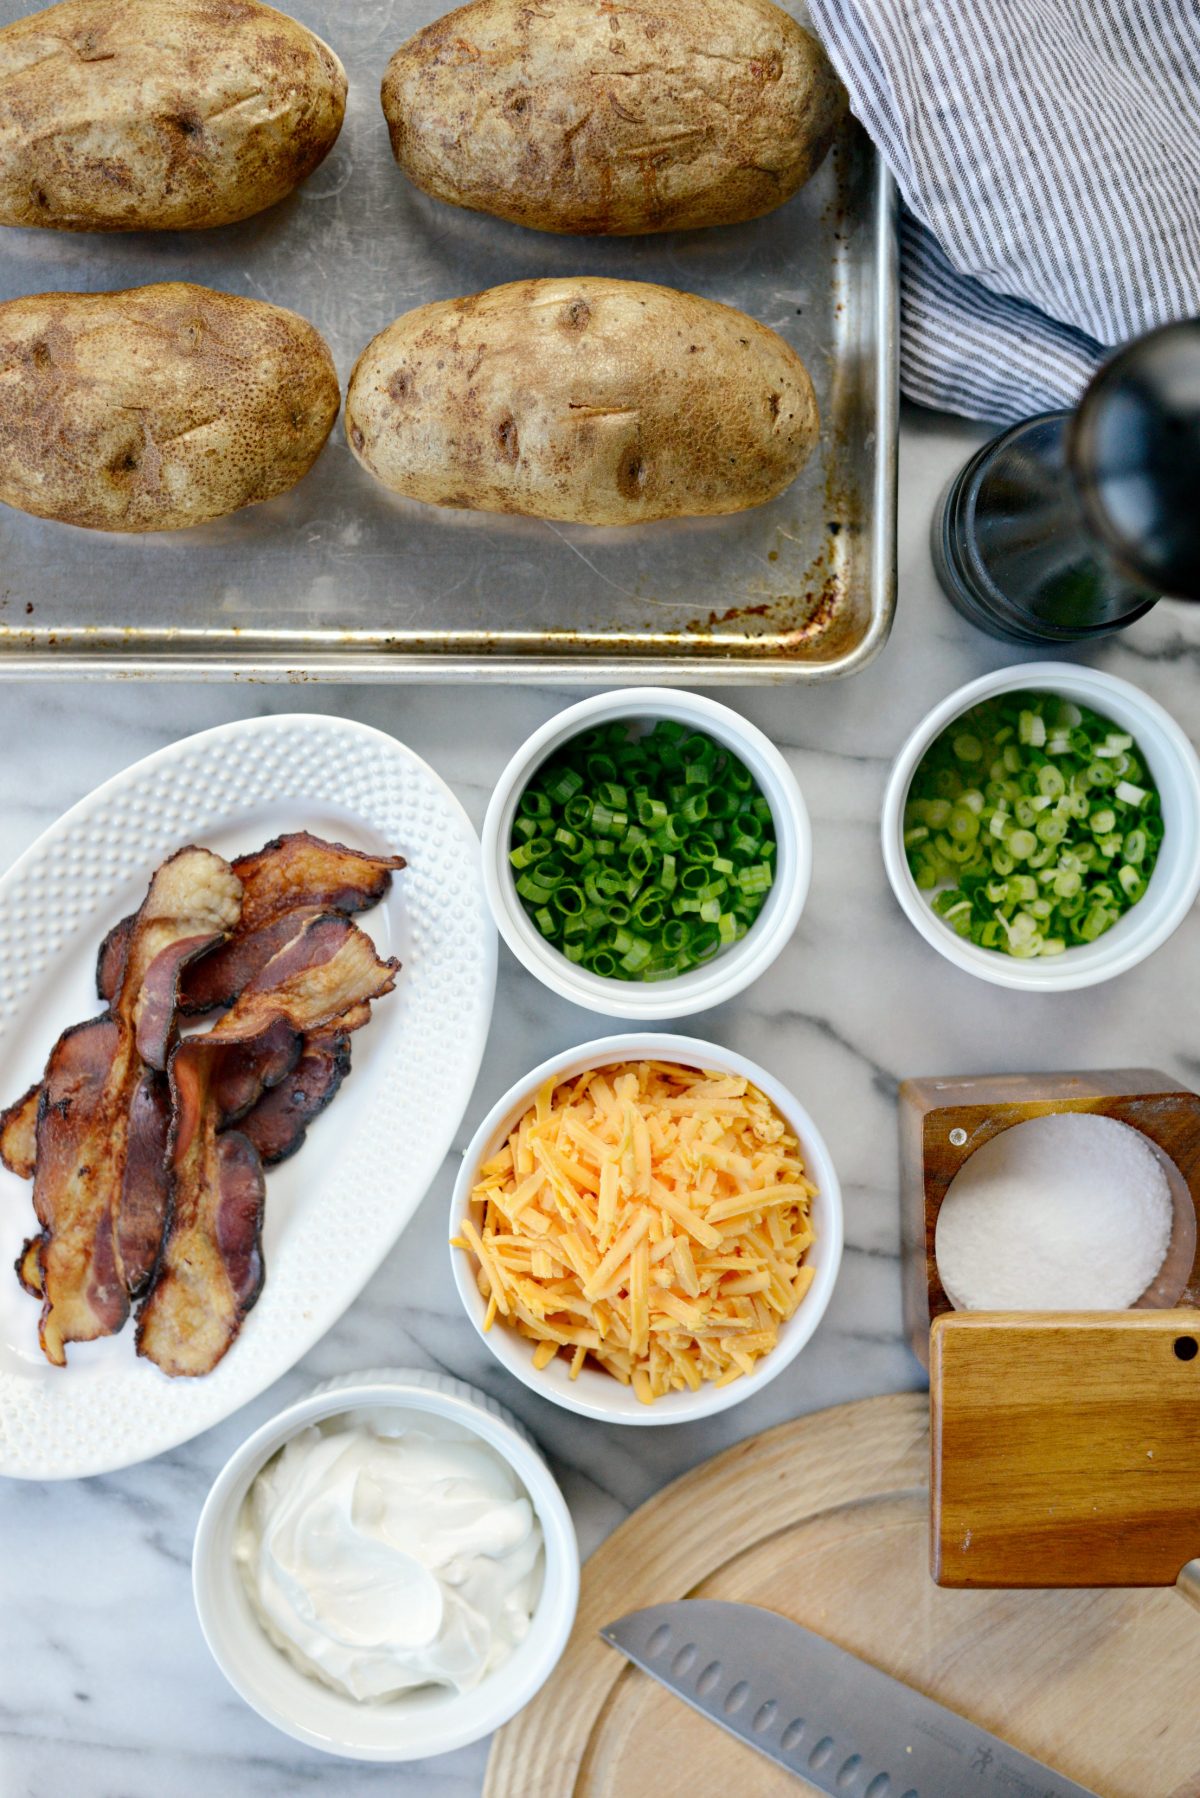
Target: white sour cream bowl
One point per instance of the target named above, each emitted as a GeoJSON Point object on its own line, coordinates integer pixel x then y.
{"type": "Point", "coordinates": [427, 1719]}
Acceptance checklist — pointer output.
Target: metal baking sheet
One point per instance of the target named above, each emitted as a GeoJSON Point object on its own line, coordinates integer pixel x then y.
{"type": "Point", "coordinates": [341, 580]}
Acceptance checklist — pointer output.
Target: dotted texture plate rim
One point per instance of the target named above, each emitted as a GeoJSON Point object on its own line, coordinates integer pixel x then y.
{"type": "Point", "coordinates": [415, 1064]}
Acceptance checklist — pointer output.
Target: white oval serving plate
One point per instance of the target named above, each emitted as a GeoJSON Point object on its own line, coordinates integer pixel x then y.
{"type": "Point", "coordinates": [335, 1209]}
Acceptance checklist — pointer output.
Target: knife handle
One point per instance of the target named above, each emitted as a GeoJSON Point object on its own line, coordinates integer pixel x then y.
{"type": "Point", "coordinates": [1188, 1582]}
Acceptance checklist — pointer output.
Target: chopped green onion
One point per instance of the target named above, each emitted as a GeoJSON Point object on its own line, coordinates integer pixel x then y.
{"type": "Point", "coordinates": [641, 857]}
{"type": "Point", "coordinates": [532, 851]}
{"type": "Point", "coordinates": [1020, 853]}
{"type": "Point", "coordinates": [756, 879]}
{"type": "Point", "coordinates": [564, 786]}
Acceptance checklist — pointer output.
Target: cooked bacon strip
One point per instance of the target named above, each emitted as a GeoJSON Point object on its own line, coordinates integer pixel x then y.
{"type": "Point", "coordinates": [278, 1124]}
{"type": "Point", "coordinates": [29, 1267]}
{"type": "Point", "coordinates": [73, 1202]}
{"type": "Point", "coordinates": [146, 1182]}
{"type": "Point", "coordinates": [209, 1273]}
{"type": "Point", "coordinates": [18, 1133]}
{"type": "Point", "coordinates": [88, 1093]}
{"type": "Point", "coordinates": [245, 1072]}
{"type": "Point", "coordinates": [214, 983]}
{"type": "Point", "coordinates": [288, 881]}
{"type": "Point", "coordinates": [156, 1016]}
{"type": "Point", "coordinates": [297, 873]}
{"type": "Point", "coordinates": [240, 1194]}
{"type": "Point", "coordinates": [111, 958]}
{"type": "Point", "coordinates": [146, 1186]}
{"type": "Point", "coordinates": [158, 1002]}
{"type": "Point", "coordinates": [301, 869]}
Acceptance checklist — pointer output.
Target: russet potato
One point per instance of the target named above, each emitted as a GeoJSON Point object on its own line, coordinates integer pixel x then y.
{"type": "Point", "coordinates": [596, 117]}
{"type": "Point", "coordinates": [158, 407]}
{"type": "Point", "coordinates": [592, 401]}
{"type": "Point", "coordinates": [160, 115]}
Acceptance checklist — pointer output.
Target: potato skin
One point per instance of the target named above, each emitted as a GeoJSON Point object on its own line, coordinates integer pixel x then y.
{"type": "Point", "coordinates": [158, 407]}
{"type": "Point", "coordinates": [594, 117]}
{"type": "Point", "coordinates": [590, 400]}
{"type": "Point", "coordinates": [160, 115]}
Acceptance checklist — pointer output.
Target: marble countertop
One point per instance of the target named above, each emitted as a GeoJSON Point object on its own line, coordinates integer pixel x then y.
{"type": "Point", "coordinates": [108, 1689]}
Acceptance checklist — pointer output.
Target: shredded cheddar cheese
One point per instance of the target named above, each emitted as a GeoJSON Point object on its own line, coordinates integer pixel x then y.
{"type": "Point", "coordinates": [653, 1217]}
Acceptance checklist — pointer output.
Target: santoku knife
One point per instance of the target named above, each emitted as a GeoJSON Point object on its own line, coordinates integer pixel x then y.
{"type": "Point", "coordinates": [819, 1711]}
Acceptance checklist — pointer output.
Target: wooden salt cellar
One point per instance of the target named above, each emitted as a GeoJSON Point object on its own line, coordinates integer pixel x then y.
{"type": "Point", "coordinates": [943, 1122]}
{"type": "Point", "coordinates": [1065, 1446]}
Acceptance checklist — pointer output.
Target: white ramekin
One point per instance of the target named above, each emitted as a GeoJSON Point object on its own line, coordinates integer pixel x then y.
{"type": "Point", "coordinates": [423, 1722]}
{"type": "Point", "coordinates": [596, 1393]}
{"type": "Point", "coordinates": [734, 968]}
{"type": "Point", "coordinates": [1174, 883]}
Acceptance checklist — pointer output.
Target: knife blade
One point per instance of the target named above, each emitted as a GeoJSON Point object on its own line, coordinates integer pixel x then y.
{"type": "Point", "coordinates": [848, 1728]}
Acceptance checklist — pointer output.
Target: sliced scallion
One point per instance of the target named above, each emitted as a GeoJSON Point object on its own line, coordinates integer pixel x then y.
{"type": "Point", "coordinates": [1033, 824]}
{"type": "Point", "coordinates": [643, 857]}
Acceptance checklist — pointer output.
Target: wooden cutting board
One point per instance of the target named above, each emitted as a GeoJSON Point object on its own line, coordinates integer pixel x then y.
{"type": "Point", "coordinates": [826, 1519]}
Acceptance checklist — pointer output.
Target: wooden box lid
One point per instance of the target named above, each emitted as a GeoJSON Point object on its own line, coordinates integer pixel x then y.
{"type": "Point", "coordinates": [1065, 1447]}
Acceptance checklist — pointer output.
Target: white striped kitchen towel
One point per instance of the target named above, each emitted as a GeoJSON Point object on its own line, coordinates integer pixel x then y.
{"type": "Point", "coordinates": [1048, 156]}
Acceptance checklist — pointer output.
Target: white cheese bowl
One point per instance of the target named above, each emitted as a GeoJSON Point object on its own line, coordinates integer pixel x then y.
{"type": "Point", "coordinates": [596, 1393]}
{"type": "Point", "coordinates": [1173, 885]}
{"type": "Point", "coordinates": [429, 1720]}
{"type": "Point", "coordinates": [730, 971]}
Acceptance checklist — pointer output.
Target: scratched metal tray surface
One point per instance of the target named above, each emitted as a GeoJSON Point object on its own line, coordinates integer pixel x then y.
{"type": "Point", "coordinates": [340, 580]}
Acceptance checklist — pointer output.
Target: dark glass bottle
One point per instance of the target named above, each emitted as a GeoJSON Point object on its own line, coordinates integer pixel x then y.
{"type": "Point", "coordinates": [1073, 524]}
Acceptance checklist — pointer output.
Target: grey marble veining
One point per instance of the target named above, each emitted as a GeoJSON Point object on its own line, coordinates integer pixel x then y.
{"type": "Point", "coordinates": [108, 1690]}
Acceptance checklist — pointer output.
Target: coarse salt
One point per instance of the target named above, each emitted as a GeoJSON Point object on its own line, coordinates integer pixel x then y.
{"type": "Point", "coordinates": [1069, 1212]}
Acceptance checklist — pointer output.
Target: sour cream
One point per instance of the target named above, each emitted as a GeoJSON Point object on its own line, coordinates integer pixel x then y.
{"type": "Point", "coordinates": [381, 1554]}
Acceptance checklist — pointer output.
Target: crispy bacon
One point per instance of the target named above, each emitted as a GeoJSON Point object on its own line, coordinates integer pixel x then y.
{"type": "Point", "coordinates": [146, 1182]}
{"type": "Point", "coordinates": [29, 1267]}
{"type": "Point", "coordinates": [286, 883]}
{"type": "Point", "coordinates": [158, 1001]}
{"type": "Point", "coordinates": [278, 1124]}
{"type": "Point", "coordinates": [18, 1133]}
{"type": "Point", "coordinates": [210, 1270]}
{"type": "Point", "coordinates": [88, 1094]}
{"type": "Point", "coordinates": [214, 983]}
{"type": "Point", "coordinates": [73, 1201]}
{"type": "Point", "coordinates": [111, 958]}
{"type": "Point", "coordinates": [140, 1182]}
{"type": "Point", "coordinates": [245, 1072]}
{"type": "Point", "coordinates": [301, 869]}
{"type": "Point", "coordinates": [241, 1191]}
{"type": "Point", "coordinates": [292, 874]}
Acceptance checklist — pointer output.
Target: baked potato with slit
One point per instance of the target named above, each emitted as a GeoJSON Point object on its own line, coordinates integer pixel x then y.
{"type": "Point", "coordinates": [593, 401]}
{"type": "Point", "coordinates": [597, 117]}
{"type": "Point", "coordinates": [160, 115]}
{"type": "Point", "coordinates": [158, 407]}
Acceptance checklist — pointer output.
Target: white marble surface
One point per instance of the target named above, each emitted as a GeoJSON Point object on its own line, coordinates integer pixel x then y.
{"type": "Point", "coordinates": [108, 1690]}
